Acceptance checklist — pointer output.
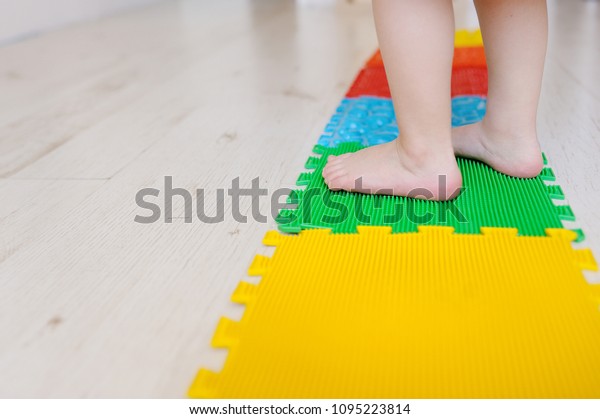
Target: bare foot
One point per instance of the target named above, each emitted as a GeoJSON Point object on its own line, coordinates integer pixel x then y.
{"type": "Point", "coordinates": [388, 169]}
{"type": "Point", "coordinates": [518, 156]}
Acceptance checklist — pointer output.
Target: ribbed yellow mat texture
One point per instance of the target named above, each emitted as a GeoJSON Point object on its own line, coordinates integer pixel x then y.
{"type": "Point", "coordinates": [428, 314]}
{"type": "Point", "coordinates": [466, 38]}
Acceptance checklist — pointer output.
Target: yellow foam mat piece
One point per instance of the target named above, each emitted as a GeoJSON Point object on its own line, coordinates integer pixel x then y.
{"type": "Point", "coordinates": [427, 314]}
{"type": "Point", "coordinates": [467, 38]}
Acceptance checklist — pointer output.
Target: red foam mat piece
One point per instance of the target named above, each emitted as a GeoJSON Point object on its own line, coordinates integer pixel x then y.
{"type": "Point", "coordinates": [463, 57]}
{"type": "Point", "coordinates": [371, 81]}
{"type": "Point", "coordinates": [469, 81]}
{"type": "Point", "coordinates": [469, 57]}
{"type": "Point", "coordinates": [375, 60]}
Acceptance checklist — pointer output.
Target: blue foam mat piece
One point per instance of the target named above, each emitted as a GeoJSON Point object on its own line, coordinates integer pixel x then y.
{"type": "Point", "coordinates": [370, 120]}
{"type": "Point", "coordinates": [467, 110]}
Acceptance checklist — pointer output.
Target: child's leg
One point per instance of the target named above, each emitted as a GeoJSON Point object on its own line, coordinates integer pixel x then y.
{"type": "Point", "coordinates": [515, 34]}
{"type": "Point", "coordinates": [416, 40]}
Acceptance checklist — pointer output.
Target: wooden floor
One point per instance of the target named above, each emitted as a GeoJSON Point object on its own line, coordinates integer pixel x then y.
{"type": "Point", "coordinates": [93, 304]}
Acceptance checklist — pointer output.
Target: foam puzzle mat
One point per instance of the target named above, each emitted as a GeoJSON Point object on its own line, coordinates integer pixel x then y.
{"type": "Point", "coordinates": [430, 314]}
{"type": "Point", "coordinates": [463, 57]}
{"type": "Point", "coordinates": [489, 199]}
{"type": "Point", "coordinates": [370, 120]}
{"type": "Point", "coordinates": [468, 38]}
{"type": "Point", "coordinates": [469, 81]}
{"type": "Point", "coordinates": [372, 81]}
{"type": "Point", "coordinates": [375, 60]}
{"type": "Point", "coordinates": [389, 297]}
{"type": "Point", "coordinates": [469, 57]}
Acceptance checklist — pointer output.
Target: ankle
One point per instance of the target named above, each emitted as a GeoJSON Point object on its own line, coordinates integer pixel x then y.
{"type": "Point", "coordinates": [522, 133]}
{"type": "Point", "coordinates": [423, 153]}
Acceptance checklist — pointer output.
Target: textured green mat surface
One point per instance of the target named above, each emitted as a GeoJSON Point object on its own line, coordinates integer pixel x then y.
{"type": "Point", "coordinates": [489, 199]}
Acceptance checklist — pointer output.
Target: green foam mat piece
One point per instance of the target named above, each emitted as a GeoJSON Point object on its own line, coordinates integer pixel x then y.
{"type": "Point", "coordinates": [489, 199]}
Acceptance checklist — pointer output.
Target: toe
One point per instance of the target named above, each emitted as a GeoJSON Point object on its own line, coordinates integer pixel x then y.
{"type": "Point", "coordinates": [331, 167]}
{"type": "Point", "coordinates": [332, 174]}
{"type": "Point", "coordinates": [338, 182]}
{"type": "Point", "coordinates": [333, 158]}
{"type": "Point", "coordinates": [327, 169]}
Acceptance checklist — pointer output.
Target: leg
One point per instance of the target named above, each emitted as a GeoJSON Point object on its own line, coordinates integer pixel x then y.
{"type": "Point", "coordinates": [416, 40]}
{"type": "Point", "coordinates": [515, 34]}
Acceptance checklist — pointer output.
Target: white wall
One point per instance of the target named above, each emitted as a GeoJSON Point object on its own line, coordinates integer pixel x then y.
{"type": "Point", "coordinates": [22, 18]}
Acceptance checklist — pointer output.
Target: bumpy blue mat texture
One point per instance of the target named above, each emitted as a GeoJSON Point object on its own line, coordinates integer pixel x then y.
{"type": "Point", "coordinates": [370, 120]}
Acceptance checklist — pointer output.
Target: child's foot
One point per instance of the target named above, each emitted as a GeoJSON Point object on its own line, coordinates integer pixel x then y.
{"type": "Point", "coordinates": [390, 170]}
{"type": "Point", "coordinates": [518, 156]}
